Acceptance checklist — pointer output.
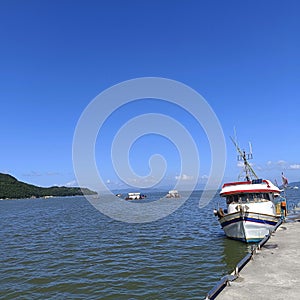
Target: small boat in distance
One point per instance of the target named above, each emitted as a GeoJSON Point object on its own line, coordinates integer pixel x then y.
{"type": "Point", "coordinates": [173, 194]}
{"type": "Point", "coordinates": [135, 196]}
{"type": "Point", "coordinates": [254, 206]}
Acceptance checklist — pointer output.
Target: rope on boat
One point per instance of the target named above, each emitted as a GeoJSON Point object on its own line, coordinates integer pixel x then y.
{"type": "Point", "coordinates": [225, 281]}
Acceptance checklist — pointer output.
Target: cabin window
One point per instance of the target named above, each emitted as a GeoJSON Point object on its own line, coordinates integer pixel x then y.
{"type": "Point", "coordinates": [247, 198]}
{"type": "Point", "coordinates": [232, 199]}
{"type": "Point", "coordinates": [259, 197]}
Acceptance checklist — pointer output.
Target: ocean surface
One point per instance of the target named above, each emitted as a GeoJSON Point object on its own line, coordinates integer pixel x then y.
{"type": "Point", "coordinates": [63, 248]}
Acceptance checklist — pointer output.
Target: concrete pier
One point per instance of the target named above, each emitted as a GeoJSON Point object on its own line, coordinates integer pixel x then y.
{"type": "Point", "coordinates": [274, 272]}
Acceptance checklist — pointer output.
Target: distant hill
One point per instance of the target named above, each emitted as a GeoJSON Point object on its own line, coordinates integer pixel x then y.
{"type": "Point", "coordinates": [11, 188]}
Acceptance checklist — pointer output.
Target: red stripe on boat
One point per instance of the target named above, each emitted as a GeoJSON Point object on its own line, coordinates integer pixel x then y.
{"type": "Point", "coordinates": [244, 182]}
{"type": "Point", "coordinates": [236, 183]}
{"type": "Point", "coordinates": [249, 191]}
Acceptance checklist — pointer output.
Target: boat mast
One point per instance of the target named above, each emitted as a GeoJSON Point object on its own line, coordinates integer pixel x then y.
{"type": "Point", "coordinates": [243, 156]}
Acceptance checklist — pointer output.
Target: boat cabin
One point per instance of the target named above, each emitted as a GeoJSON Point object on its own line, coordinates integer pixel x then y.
{"type": "Point", "coordinates": [135, 196]}
{"type": "Point", "coordinates": [248, 198]}
{"type": "Point", "coordinates": [173, 194]}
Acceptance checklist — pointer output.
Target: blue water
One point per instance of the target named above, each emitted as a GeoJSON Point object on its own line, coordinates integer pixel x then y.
{"type": "Point", "coordinates": [63, 248]}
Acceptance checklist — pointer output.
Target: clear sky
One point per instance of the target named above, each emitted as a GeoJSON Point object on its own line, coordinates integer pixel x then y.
{"type": "Point", "coordinates": [56, 56]}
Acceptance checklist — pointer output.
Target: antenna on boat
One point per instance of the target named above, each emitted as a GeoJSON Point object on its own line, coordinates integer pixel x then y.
{"type": "Point", "coordinates": [235, 140]}
{"type": "Point", "coordinates": [243, 156]}
{"type": "Point", "coordinates": [250, 149]}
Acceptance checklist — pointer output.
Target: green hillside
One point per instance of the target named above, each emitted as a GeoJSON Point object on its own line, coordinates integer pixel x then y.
{"type": "Point", "coordinates": [10, 187]}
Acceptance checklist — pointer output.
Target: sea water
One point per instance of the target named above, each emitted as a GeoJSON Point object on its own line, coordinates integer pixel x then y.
{"type": "Point", "coordinates": [63, 248]}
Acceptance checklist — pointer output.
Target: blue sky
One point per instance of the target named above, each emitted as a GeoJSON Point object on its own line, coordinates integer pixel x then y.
{"type": "Point", "coordinates": [56, 56]}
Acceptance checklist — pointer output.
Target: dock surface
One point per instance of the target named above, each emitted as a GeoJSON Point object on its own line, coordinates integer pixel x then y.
{"type": "Point", "coordinates": [274, 272]}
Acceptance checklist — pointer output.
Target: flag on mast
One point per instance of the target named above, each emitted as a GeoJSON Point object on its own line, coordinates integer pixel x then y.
{"type": "Point", "coordinates": [284, 180]}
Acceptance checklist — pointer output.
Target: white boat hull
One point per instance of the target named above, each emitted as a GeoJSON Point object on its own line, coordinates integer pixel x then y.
{"type": "Point", "coordinates": [248, 227]}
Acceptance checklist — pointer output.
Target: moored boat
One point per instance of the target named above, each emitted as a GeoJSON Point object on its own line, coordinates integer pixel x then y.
{"type": "Point", "coordinates": [173, 194]}
{"type": "Point", "coordinates": [254, 206]}
{"type": "Point", "coordinates": [135, 196]}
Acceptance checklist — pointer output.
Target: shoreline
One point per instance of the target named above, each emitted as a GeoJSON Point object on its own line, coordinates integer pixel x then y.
{"type": "Point", "coordinates": [274, 270]}
{"type": "Point", "coordinates": [46, 197]}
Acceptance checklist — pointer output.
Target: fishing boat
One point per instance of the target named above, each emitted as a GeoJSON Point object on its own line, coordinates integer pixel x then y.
{"type": "Point", "coordinates": [135, 196]}
{"type": "Point", "coordinates": [173, 194]}
{"type": "Point", "coordinates": [254, 206]}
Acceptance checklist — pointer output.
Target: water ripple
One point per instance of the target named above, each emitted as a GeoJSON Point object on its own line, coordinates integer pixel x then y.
{"type": "Point", "coordinates": [63, 248]}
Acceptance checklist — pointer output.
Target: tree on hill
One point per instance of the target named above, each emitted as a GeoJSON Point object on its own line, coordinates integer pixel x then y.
{"type": "Point", "coordinates": [10, 187]}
